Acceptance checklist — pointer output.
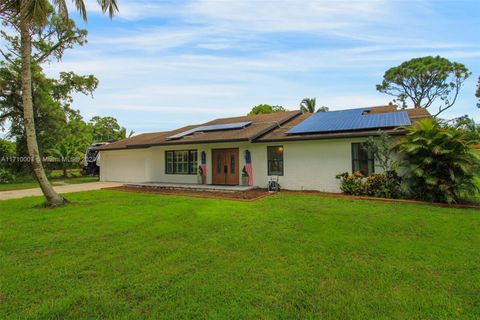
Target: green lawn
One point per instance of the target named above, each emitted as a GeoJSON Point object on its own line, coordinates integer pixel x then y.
{"type": "Point", "coordinates": [122, 255]}
{"type": "Point", "coordinates": [55, 182]}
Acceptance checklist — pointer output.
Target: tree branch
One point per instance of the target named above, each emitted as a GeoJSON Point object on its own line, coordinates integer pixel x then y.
{"type": "Point", "coordinates": [450, 104]}
{"type": "Point", "coordinates": [6, 56]}
{"type": "Point", "coordinates": [45, 55]}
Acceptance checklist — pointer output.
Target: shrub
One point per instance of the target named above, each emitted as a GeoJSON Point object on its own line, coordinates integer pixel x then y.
{"type": "Point", "coordinates": [352, 184]}
{"type": "Point", "coordinates": [384, 185]}
{"type": "Point", "coordinates": [437, 162]}
{"type": "Point", "coordinates": [380, 185]}
{"type": "Point", "coordinates": [6, 176]}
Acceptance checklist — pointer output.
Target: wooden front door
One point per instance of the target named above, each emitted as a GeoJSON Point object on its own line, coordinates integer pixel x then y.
{"type": "Point", "coordinates": [225, 166]}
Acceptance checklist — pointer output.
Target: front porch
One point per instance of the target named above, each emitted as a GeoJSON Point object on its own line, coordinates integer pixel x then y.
{"type": "Point", "coordinates": [190, 186]}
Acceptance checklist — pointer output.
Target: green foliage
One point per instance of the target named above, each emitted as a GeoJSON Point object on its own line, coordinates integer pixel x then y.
{"type": "Point", "coordinates": [49, 41]}
{"type": "Point", "coordinates": [57, 124]}
{"type": "Point", "coordinates": [6, 176]}
{"type": "Point", "coordinates": [68, 154]}
{"type": "Point", "coordinates": [380, 185]}
{"type": "Point", "coordinates": [35, 20]}
{"type": "Point", "coordinates": [352, 184]}
{"type": "Point", "coordinates": [323, 109]}
{"type": "Point", "coordinates": [424, 81]}
{"type": "Point", "coordinates": [383, 185]}
{"type": "Point", "coordinates": [382, 149]}
{"type": "Point", "coordinates": [477, 94]}
{"type": "Point", "coordinates": [308, 105]}
{"type": "Point", "coordinates": [37, 12]}
{"type": "Point", "coordinates": [7, 148]}
{"type": "Point", "coordinates": [438, 162]}
{"type": "Point", "coordinates": [106, 129]}
{"type": "Point", "coordinates": [52, 97]}
{"type": "Point", "coordinates": [468, 126]}
{"type": "Point", "coordinates": [266, 108]}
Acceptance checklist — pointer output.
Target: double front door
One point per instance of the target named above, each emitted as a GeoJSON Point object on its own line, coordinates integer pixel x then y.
{"type": "Point", "coordinates": [225, 166]}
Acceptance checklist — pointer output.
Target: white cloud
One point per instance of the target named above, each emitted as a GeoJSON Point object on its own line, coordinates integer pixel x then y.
{"type": "Point", "coordinates": [287, 15]}
{"type": "Point", "coordinates": [196, 60]}
{"type": "Point", "coordinates": [148, 40]}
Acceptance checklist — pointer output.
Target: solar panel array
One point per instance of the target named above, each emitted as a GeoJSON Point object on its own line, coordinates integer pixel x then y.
{"type": "Point", "coordinates": [350, 120]}
{"type": "Point", "coordinates": [216, 127]}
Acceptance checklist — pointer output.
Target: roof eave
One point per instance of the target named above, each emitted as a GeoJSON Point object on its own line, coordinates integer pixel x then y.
{"type": "Point", "coordinates": [357, 134]}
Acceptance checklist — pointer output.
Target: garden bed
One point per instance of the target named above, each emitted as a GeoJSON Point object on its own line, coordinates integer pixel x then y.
{"type": "Point", "coordinates": [248, 195]}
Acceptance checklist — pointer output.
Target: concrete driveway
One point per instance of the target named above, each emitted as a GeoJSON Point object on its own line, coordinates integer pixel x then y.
{"type": "Point", "coordinates": [16, 194]}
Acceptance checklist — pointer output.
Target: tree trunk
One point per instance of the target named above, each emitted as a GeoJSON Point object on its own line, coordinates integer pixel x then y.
{"type": "Point", "coordinates": [53, 198]}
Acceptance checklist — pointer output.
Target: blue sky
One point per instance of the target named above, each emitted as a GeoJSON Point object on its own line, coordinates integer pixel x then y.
{"type": "Point", "coordinates": [164, 64]}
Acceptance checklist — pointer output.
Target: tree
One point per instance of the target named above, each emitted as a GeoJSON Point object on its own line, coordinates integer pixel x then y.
{"type": "Point", "coordinates": [68, 154]}
{"type": "Point", "coordinates": [469, 126]}
{"type": "Point", "coordinates": [106, 129]}
{"type": "Point", "coordinates": [323, 109]}
{"type": "Point", "coordinates": [477, 94]}
{"type": "Point", "coordinates": [7, 149]}
{"type": "Point", "coordinates": [26, 17]}
{"type": "Point", "coordinates": [382, 149]}
{"type": "Point", "coordinates": [438, 162]}
{"type": "Point", "coordinates": [266, 108]}
{"type": "Point", "coordinates": [123, 133]}
{"type": "Point", "coordinates": [307, 105]}
{"type": "Point", "coordinates": [53, 117]}
{"type": "Point", "coordinates": [424, 81]}
{"type": "Point", "coordinates": [78, 130]}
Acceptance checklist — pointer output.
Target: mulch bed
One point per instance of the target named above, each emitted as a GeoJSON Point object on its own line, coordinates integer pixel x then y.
{"type": "Point", "coordinates": [255, 194]}
{"type": "Point", "coordinates": [249, 195]}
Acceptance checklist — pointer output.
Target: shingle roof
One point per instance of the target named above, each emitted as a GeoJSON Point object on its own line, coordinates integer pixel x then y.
{"type": "Point", "coordinates": [261, 124]}
{"type": "Point", "coordinates": [264, 128]}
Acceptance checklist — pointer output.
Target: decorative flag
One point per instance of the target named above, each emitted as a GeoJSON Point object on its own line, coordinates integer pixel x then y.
{"type": "Point", "coordinates": [248, 167]}
{"type": "Point", "coordinates": [204, 165]}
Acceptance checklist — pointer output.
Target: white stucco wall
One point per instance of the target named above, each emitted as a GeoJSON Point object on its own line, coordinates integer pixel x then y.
{"type": "Point", "coordinates": [124, 165]}
{"type": "Point", "coordinates": [308, 165]}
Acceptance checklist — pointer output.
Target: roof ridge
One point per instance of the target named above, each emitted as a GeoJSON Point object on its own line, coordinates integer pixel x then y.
{"type": "Point", "coordinates": [279, 124]}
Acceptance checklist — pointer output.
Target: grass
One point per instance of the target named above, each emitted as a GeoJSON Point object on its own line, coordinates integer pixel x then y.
{"type": "Point", "coordinates": [56, 178]}
{"type": "Point", "coordinates": [120, 255]}
{"type": "Point", "coordinates": [55, 181]}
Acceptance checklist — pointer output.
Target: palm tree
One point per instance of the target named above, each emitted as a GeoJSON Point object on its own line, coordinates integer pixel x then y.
{"type": "Point", "coordinates": [35, 13]}
{"type": "Point", "coordinates": [123, 133]}
{"type": "Point", "coordinates": [323, 109]}
{"type": "Point", "coordinates": [67, 152]}
{"type": "Point", "coordinates": [307, 105]}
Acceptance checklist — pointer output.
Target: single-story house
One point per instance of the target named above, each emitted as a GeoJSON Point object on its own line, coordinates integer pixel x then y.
{"type": "Point", "coordinates": [303, 151]}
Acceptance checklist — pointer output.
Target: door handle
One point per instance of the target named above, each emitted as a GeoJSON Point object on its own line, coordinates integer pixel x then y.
{"type": "Point", "coordinates": [225, 169]}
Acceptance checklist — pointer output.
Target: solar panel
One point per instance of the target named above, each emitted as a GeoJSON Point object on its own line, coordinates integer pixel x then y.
{"type": "Point", "coordinates": [215, 127]}
{"type": "Point", "coordinates": [350, 120]}
{"type": "Point", "coordinates": [225, 126]}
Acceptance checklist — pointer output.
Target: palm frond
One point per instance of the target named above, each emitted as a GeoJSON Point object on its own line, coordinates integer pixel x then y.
{"type": "Point", "coordinates": [80, 5]}
{"type": "Point", "coordinates": [109, 6]}
{"type": "Point", "coordinates": [36, 11]}
{"type": "Point", "coordinates": [62, 8]}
